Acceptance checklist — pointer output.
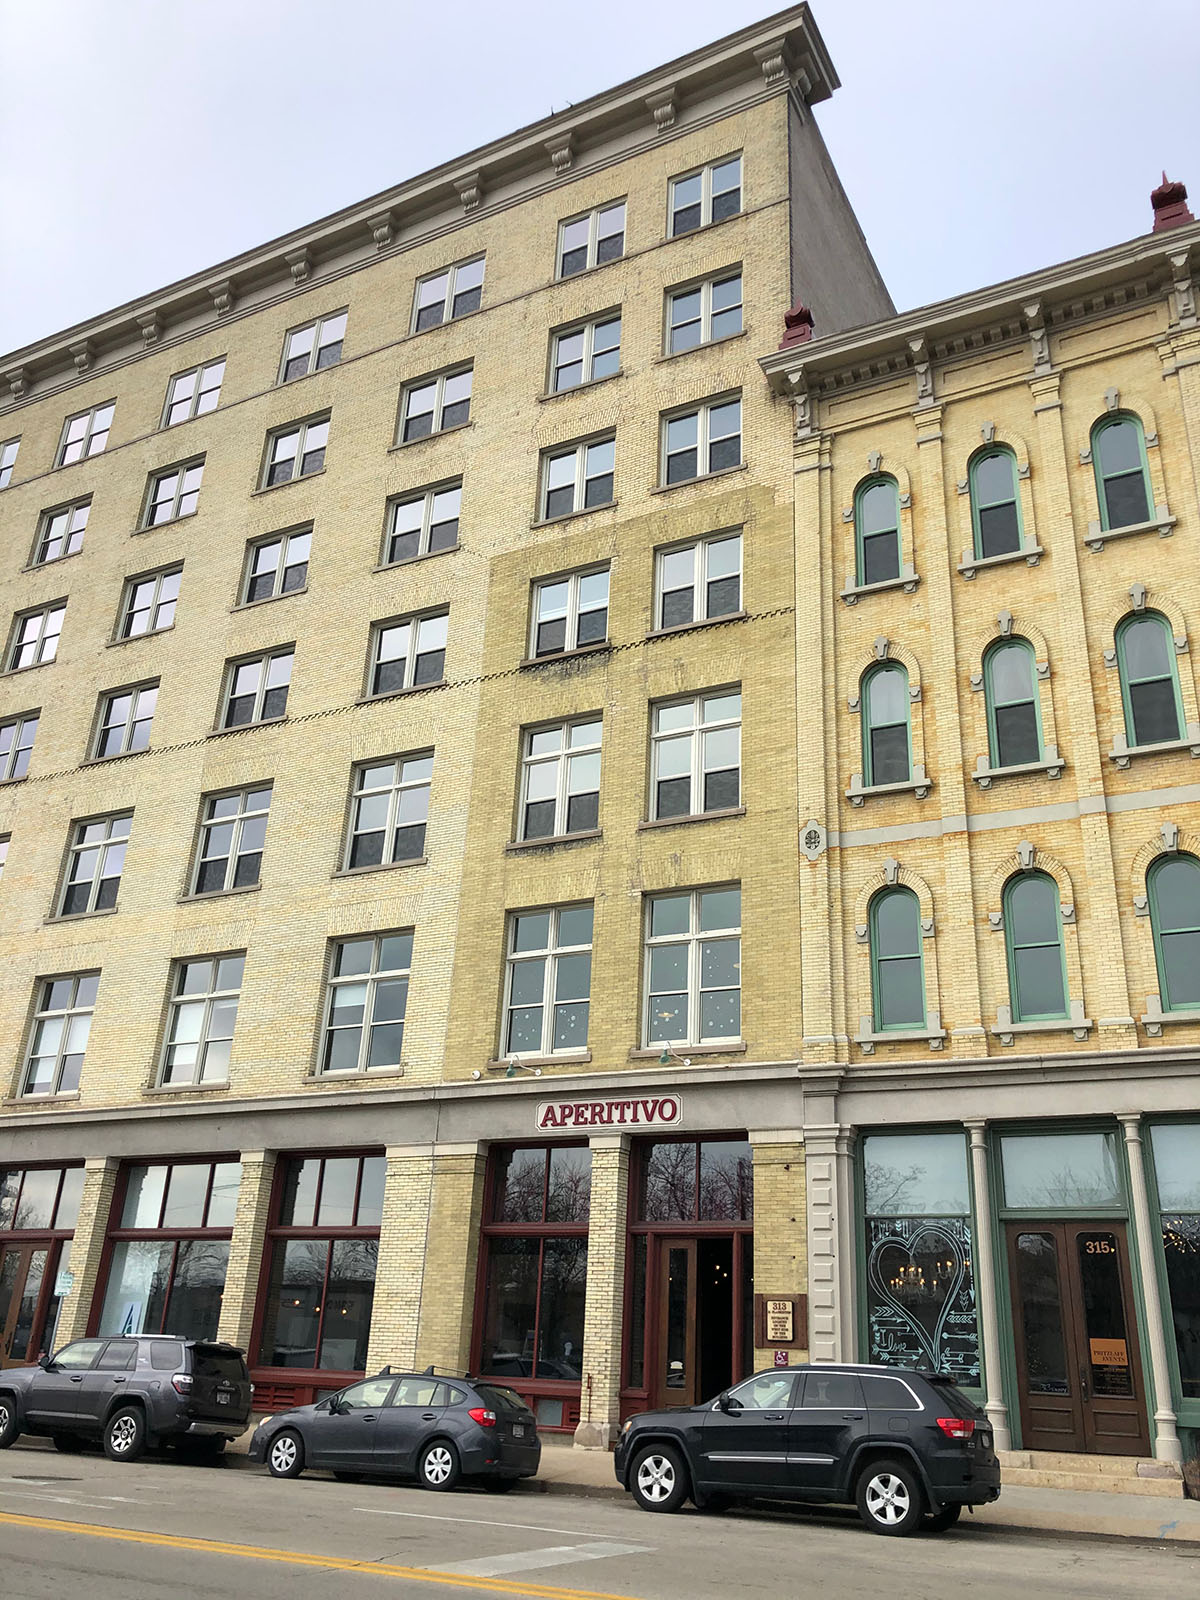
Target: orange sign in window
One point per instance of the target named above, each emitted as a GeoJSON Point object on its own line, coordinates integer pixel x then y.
{"type": "Point", "coordinates": [1109, 1352]}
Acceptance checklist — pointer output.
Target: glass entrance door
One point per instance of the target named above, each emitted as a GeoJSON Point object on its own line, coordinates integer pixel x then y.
{"type": "Point", "coordinates": [22, 1281]}
{"type": "Point", "coordinates": [677, 1375]}
{"type": "Point", "coordinates": [1078, 1369]}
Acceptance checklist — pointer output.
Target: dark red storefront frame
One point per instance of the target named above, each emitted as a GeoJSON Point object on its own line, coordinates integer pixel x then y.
{"type": "Point", "coordinates": [49, 1239]}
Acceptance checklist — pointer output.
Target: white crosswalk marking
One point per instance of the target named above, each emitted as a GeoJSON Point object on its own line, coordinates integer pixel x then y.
{"type": "Point", "coordinates": [557, 1555]}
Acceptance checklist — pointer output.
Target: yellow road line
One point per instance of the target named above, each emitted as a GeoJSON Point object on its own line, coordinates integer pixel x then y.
{"type": "Point", "coordinates": [295, 1558]}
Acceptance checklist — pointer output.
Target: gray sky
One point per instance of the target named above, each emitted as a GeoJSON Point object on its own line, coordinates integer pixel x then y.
{"type": "Point", "coordinates": [143, 140]}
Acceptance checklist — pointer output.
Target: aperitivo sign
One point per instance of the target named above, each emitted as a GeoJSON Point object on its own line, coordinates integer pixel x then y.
{"type": "Point", "coordinates": [647, 1111]}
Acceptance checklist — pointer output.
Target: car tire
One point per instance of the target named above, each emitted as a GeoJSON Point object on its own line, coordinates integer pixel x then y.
{"type": "Point", "coordinates": [658, 1478]}
{"type": "Point", "coordinates": [438, 1466]}
{"type": "Point", "coordinates": [499, 1485]}
{"type": "Point", "coordinates": [890, 1498]}
{"type": "Point", "coordinates": [285, 1454]}
{"type": "Point", "coordinates": [125, 1434]}
{"type": "Point", "coordinates": [10, 1426]}
{"type": "Point", "coordinates": [939, 1521]}
{"type": "Point", "coordinates": [69, 1443]}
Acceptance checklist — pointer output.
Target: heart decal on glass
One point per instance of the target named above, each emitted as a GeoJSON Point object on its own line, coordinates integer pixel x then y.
{"type": "Point", "coordinates": [917, 1271]}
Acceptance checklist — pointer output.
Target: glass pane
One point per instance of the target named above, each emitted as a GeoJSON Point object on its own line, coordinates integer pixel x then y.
{"type": "Point", "coordinates": [560, 1319]}
{"type": "Point", "coordinates": [1018, 741]}
{"type": "Point", "coordinates": [1040, 1293]}
{"type": "Point", "coordinates": [1175, 887]}
{"type": "Point", "coordinates": [1155, 712]}
{"type": "Point", "coordinates": [901, 994]}
{"type": "Point", "coordinates": [1118, 448]}
{"type": "Point", "coordinates": [995, 478]}
{"type": "Point", "coordinates": [720, 963]}
{"type": "Point", "coordinates": [520, 1185]}
{"type": "Point", "coordinates": [878, 508]}
{"type": "Point", "coordinates": [669, 914]}
{"type": "Point", "coordinates": [138, 1283]}
{"type": "Point", "coordinates": [921, 1295]}
{"type": "Point", "coordinates": [38, 1193]}
{"type": "Point", "coordinates": [726, 1182]}
{"type": "Point", "coordinates": [370, 1192]}
{"type": "Point", "coordinates": [1038, 984]}
{"type": "Point", "coordinates": [1010, 673]}
{"type": "Point", "coordinates": [720, 908]}
{"type": "Point", "coordinates": [1125, 501]}
{"type": "Point", "coordinates": [510, 1308]}
{"type": "Point", "coordinates": [575, 925]}
{"type": "Point", "coordinates": [194, 1307]}
{"type": "Point", "coordinates": [880, 558]}
{"type": "Point", "coordinates": [888, 752]}
{"type": "Point", "coordinates": [887, 696]}
{"type": "Point", "coordinates": [346, 1328]}
{"type": "Point", "coordinates": [1181, 1249]}
{"type": "Point", "coordinates": [186, 1192]}
{"type": "Point", "coordinates": [668, 968]}
{"type": "Point", "coordinates": [337, 1192]}
{"type": "Point", "coordinates": [294, 1298]}
{"type": "Point", "coordinates": [896, 916]}
{"type": "Point", "coordinates": [222, 1204]}
{"type": "Point", "coordinates": [300, 1192]}
{"type": "Point", "coordinates": [1032, 910]}
{"type": "Point", "coordinates": [999, 530]}
{"type": "Point", "coordinates": [1177, 1165]}
{"type": "Point", "coordinates": [1146, 649]}
{"type": "Point", "coordinates": [1104, 1313]}
{"type": "Point", "coordinates": [1061, 1170]}
{"type": "Point", "coordinates": [668, 1183]}
{"type": "Point", "coordinates": [68, 1200]}
{"type": "Point", "coordinates": [531, 932]}
{"type": "Point", "coordinates": [143, 1197]}
{"type": "Point", "coordinates": [916, 1173]}
{"type": "Point", "coordinates": [720, 1014]}
{"type": "Point", "coordinates": [568, 1197]}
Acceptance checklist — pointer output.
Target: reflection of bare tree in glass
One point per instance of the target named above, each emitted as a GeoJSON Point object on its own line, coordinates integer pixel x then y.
{"type": "Point", "coordinates": [564, 1280]}
{"type": "Point", "coordinates": [670, 1183]}
{"type": "Point", "coordinates": [569, 1192]}
{"type": "Point", "coordinates": [726, 1186]}
{"type": "Point", "coordinates": [524, 1187]}
{"type": "Point", "coordinates": [889, 1190]}
{"type": "Point", "coordinates": [1070, 1188]}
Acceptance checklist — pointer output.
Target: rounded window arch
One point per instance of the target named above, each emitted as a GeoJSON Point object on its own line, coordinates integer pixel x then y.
{"type": "Point", "coordinates": [887, 734]}
{"type": "Point", "coordinates": [877, 529]}
{"type": "Point", "coordinates": [995, 504]}
{"type": "Point", "coordinates": [1150, 693]}
{"type": "Point", "coordinates": [1173, 888]}
{"type": "Point", "coordinates": [1122, 473]}
{"type": "Point", "coordinates": [1013, 709]}
{"type": "Point", "coordinates": [1037, 969]}
{"type": "Point", "coordinates": [897, 963]}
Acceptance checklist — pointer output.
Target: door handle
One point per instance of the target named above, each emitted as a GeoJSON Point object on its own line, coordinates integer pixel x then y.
{"type": "Point", "coordinates": [774, 1416]}
{"type": "Point", "coordinates": [370, 1418]}
{"type": "Point", "coordinates": [1083, 1381]}
{"type": "Point", "coordinates": [118, 1380]}
{"type": "Point", "coordinates": [77, 1377]}
{"type": "Point", "coordinates": [428, 1416]}
{"type": "Point", "coordinates": [852, 1416]}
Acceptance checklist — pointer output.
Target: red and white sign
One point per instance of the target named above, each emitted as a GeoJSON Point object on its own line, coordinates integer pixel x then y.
{"type": "Point", "coordinates": [649, 1111]}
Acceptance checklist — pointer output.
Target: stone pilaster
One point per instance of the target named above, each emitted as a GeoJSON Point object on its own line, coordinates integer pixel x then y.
{"type": "Point", "coordinates": [987, 1290]}
{"type": "Point", "coordinates": [780, 1221]}
{"type": "Point", "coordinates": [452, 1256]}
{"type": "Point", "coordinates": [87, 1248]}
{"type": "Point", "coordinates": [1167, 1445]}
{"type": "Point", "coordinates": [400, 1272]}
{"type": "Point", "coordinates": [244, 1272]}
{"type": "Point", "coordinates": [600, 1395]}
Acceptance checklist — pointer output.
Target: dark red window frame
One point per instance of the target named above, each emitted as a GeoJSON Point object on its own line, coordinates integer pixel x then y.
{"type": "Point", "coordinates": [50, 1239]}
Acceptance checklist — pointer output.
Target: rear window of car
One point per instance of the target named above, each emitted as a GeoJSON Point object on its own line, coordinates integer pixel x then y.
{"type": "Point", "coordinates": [210, 1362]}
{"type": "Point", "coordinates": [457, 1396]}
{"type": "Point", "coordinates": [888, 1394]}
{"type": "Point", "coordinates": [948, 1394]}
{"type": "Point", "coordinates": [505, 1401]}
{"type": "Point", "coordinates": [166, 1355]}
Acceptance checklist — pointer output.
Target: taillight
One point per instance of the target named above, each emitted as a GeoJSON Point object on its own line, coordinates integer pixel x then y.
{"type": "Point", "coordinates": [182, 1383]}
{"type": "Point", "coordinates": [957, 1427]}
{"type": "Point", "coordinates": [481, 1415]}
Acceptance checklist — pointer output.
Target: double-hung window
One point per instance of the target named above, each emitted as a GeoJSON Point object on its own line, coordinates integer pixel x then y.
{"type": "Point", "coordinates": [1122, 475]}
{"type": "Point", "coordinates": [408, 653]}
{"type": "Point", "coordinates": [877, 530]}
{"type": "Point", "coordinates": [8, 460]}
{"type": "Point", "coordinates": [704, 313]}
{"type": "Point", "coordinates": [389, 811]}
{"type": "Point", "coordinates": [699, 581]}
{"type": "Point", "coordinates": [257, 689]}
{"type": "Point", "coordinates": [591, 240]}
{"type": "Point", "coordinates": [705, 439]}
{"type": "Point", "coordinates": [150, 602]}
{"type": "Point", "coordinates": [312, 347]}
{"type": "Point", "coordinates": [577, 478]}
{"type": "Point", "coordinates": [424, 523]}
{"type": "Point", "coordinates": [1149, 680]}
{"type": "Point", "coordinates": [296, 451]}
{"type": "Point", "coordinates": [367, 1000]}
{"type": "Point", "coordinates": [125, 718]}
{"type": "Point", "coordinates": [549, 981]}
{"type": "Point", "coordinates": [435, 405]}
{"type": "Point", "coordinates": [276, 565]}
{"type": "Point", "coordinates": [995, 506]}
{"type": "Point", "coordinates": [1014, 716]}
{"type": "Point", "coordinates": [94, 865]}
{"type": "Point", "coordinates": [448, 294]}
{"type": "Point", "coordinates": [696, 758]}
{"type": "Point", "coordinates": [1037, 973]}
{"type": "Point", "coordinates": [569, 613]}
{"type": "Point", "coordinates": [191, 394]}
{"type": "Point", "coordinates": [173, 494]}
{"type": "Point", "coordinates": [16, 746]}
{"type": "Point", "coordinates": [61, 1025]}
{"type": "Point", "coordinates": [709, 195]}
{"type": "Point", "coordinates": [560, 780]}
{"type": "Point", "coordinates": [233, 832]}
{"type": "Point", "coordinates": [586, 353]}
{"type": "Point", "coordinates": [35, 636]}
{"type": "Point", "coordinates": [1173, 894]}
{"type": "Point", "coordinates": [204, 1007]}
{"type": "Point", "coordinates": [85, 434]}
{"type": "Point", "coordinates": [886, 734]}
{"type": "Point", "coordinates": [694, 967]}
{"type": "Point", "coordinates": [897, 963]}
{"type": "Point", "coordinates": [60, 532]}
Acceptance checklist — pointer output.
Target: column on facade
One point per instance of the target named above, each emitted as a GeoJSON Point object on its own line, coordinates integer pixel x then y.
{"type": "Point", "coordinates": [87, 1248]}
{"type": "Point", "coordinates": [780, 1221]}
{"type": "Point", "coordinates": [986, 1290]}
{"type": "Point", "coordinates": [600, 1389]}
{"type": "Point", "coordinates": [400, 1268]}
{"type": "Point", "coordinates": [452, 1256]}
{"type": "Point", "coordinates": [845, 1221]}
{"type": "Point", "coordinates": [827, 1333]}
{"type": "Point", "coordinates": [246, 1250]}
{"type": "Point", "coordinates": [1167, 1446]}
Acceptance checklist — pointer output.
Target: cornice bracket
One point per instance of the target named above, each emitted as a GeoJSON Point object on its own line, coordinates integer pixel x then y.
{"type": "Point", "coordinates": [83, 354]}
{"type": "Point", "coordinates": [663, 107]}
{"type": "Point", "coordinates": [151, 325]}
{"type": "Point", "coordinates": [383, 228]}
{"type": "Point", "coordinates": [18, 380]}
{"type": "Point", "coordinates": [470, 188]}
{"type": "Point", "coordinates": [224, 296]}
{"type": "Point", "coordinates": [561, 150]}
{"type": "Point", "coordinates": [300, 263]}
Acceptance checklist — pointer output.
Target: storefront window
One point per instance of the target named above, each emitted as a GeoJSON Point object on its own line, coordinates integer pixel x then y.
{"type": "Point", "coordinates": [38, 1210]}
{"type": "Point", "coordinates": [1177, 1167]}
{"type": "Point", "coordinates": [39, 1198]}
{"type": "Point", "coordinates": [920, 1297]}
{"type": "Point", "coordinates": [1056, 1171]}
{"type": "Point", "coordinates": [690, 1181]}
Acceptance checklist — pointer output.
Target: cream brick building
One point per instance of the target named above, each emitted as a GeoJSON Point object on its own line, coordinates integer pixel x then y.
{"type": "Point", "coordinates": [473, 954]}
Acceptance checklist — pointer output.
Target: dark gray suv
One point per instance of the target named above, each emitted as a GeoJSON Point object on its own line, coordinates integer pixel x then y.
{"type": "Point", "coordinates": [130, 1394]}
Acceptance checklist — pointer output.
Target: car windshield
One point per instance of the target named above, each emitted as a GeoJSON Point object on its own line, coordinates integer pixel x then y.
{"type": "Point", "coordinates": [505, 1401]}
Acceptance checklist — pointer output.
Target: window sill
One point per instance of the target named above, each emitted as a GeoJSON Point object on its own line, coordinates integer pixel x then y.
{"type": "Point", "coordinates": [156, 527]}
{"type": "Point", "coordinates": [427, 438]}
{"type": "Point", "coordinates": [216, 894]}
{"type": "Point", "coordinates": [313, 1080]}
{"type": "Point", "coordinates": [1006, 1029]}
{"type": "Point", "coordinates": [242, 727]}
{"type": "Point", "coordinates": [399, 694]}
{"type": "Point", "coordinates": [41, 1099]}
{"type": "Point", "coordinates": [382, 866]}
{"type": "Point", "coordinates": [734, 1047]}
{"type": "Point", "coordinates": [579, 388]}
{"type": "Point", "coordinates": [867, 1038]}
{"type": "Point", "coordinates": [1161, 523]}
{"type": "Point", "coordinates": [1122, 754]}
{"type": "Point", "coordinates": [700, 622]}
{"type": "Point", "coordinates": [1052, 767]}
{"type": "Point", "coordinates": [134, 638]}
{"type": "Point", "coordinates": [79, 916]}
{"type": "Point", "coordinates": [1030, 554]}
{"type": "Point", "coordinates": [267, 599]}
{"type": "Point", "coordinates": [165, 1089]}
{"type": "Point", "coordinates": [707, 344]}
{"type": "Point", "coordinates": [919, 784]}
{"type": "Point", "coordinates": [514, 846]}
{"type": "Point", "coordinates": [581, 651]}
{"type": "Point", "coordinates": [107, 761]}
{"type": "Point", "coordinates": [448, 322]}
{"type": "Point", "coordinates": [853, 592]}
{"type": "Point", "coordinates": [34, 666]}
{"type": "Point", "coordinates": [693, 816]}
{"type": "Point", "coordinates": [701, 477]}
{"type": "Point", "coordinates": [569, 516]}
{"type": "Point", "coordinates": [408, 561]}
{"type": "Point", "coordinates": [54, 561]}
{"type": "Point", "coordinates": [288, 483]}
{"type": "Point", "coordinates": [565, 1058]}
{"type": "Point", "coordinates": [1156, 1018]}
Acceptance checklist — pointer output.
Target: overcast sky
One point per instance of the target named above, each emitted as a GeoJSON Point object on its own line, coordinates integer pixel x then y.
{"type": "Point", "coordinates": [144, 140]}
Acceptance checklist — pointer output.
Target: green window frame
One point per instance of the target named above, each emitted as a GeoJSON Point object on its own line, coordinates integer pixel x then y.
{"type": "Point", "coordinates": [995, 502]}
{"type": "Point", "coordinates": [1037, 980]}
{"type": "Point", "coordinates": [897, 962]}
{"type": "Point", "coordinates": [1173, 892]}
{"type": "Point", "coordinates": [1149, 680]}
{"type": "Point", "coordinates": [886, 725]}
{"type": "Point", "coordinates": [878, 555]}
{"type": "Point", "coordinates": [1122, 471]}
{"type": "Point", "coordinates": [1014, 711]}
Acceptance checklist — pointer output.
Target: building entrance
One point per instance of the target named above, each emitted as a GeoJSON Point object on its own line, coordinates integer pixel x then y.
{"type": "Point", "coordinates": [1079, 1375]}
{"type": "Point", "coordinates": [702, 1325]}
{"type": "Point", "coordinates": [23, 1282]}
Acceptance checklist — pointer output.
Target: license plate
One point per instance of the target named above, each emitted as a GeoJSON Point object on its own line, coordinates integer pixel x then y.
{"type": "Point", "coordinates": [518, 1430]}
{"type": "Point", "coordinates": [222, 1399]}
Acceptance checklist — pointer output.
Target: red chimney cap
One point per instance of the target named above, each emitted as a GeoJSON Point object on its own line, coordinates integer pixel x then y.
{"type": "Point", "coordinates": [798, 326]}
{"type": "Point", "coordinates": [1170, 205]}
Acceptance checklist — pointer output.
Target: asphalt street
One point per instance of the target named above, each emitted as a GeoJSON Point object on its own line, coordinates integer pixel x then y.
{"type": "Point", "coordinates": [163, 1527]}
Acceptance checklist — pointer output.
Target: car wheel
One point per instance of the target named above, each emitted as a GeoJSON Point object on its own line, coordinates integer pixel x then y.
{"type": "Point", "coordinates": [125, 1434]}
{"type": "Point", "coordinates": [285, 1455]}
{"type": "Point", "coordinates": [69, 1443]}
{"type": "Point", "coordinates": [438, 1465]}
{"type": "Point", "coordinates": [10, 1428]}
{"type": "Point", "coordinates": [499, 1485]}
{"type": "Point", "coordinates": [938, 1521]}
{"type": "Point", "coordinates": [890, 1498]}
{"type": "Point", "coordinates": [658, 1479]}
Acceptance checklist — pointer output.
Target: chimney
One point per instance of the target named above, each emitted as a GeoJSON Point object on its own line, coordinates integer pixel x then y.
{"type": "Point", "coordinates": [798, 326]}
{"type": "Point", "coordinates": [1170, 206]}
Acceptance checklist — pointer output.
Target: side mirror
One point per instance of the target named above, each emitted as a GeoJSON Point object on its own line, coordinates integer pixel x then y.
{"type": "Point", "coordinates": [340, 1408]}
{"type": "Point", "coordinates": [728, 1403]}
{"type": "Point", "coordinates": [44, 1362]}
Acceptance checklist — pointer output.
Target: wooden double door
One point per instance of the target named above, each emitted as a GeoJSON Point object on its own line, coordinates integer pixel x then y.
{"type": "Point", "coordinates": [27, 1302]}
{"type": "Point", "coordinates": [700, 1319]}
{"type": "Point", "coordinates": [1079, 1370]}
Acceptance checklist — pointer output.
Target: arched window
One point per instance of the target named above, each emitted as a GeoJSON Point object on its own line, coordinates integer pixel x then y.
{"type": "Point", "coordinates": [887, 746]}
{"type": "Point", "coordinates": [1173, 883]}
{"type": "Point", "coordinates": [995, 510]}
{"type": "Point", "coordinates": [1013, 713]}
{"type": "Point", "coordinates": [1122, 478]}
{"type": "Point", "coordinates": [897, 966]}
{"type": "Point", "coordinates": [1037, 974]}
{"type": "Point", "coordinates": [1149, 682]}
{"type": "Point", "coordinates": [877, 530]}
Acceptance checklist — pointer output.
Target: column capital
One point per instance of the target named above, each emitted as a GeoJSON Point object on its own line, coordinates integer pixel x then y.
{"type": "Point", "coordinates": [608, 1141]}
{"type": "Point", "coordinates": [1131, 1121]}
{"type": "Point", "coordinates": [775, 1135]}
